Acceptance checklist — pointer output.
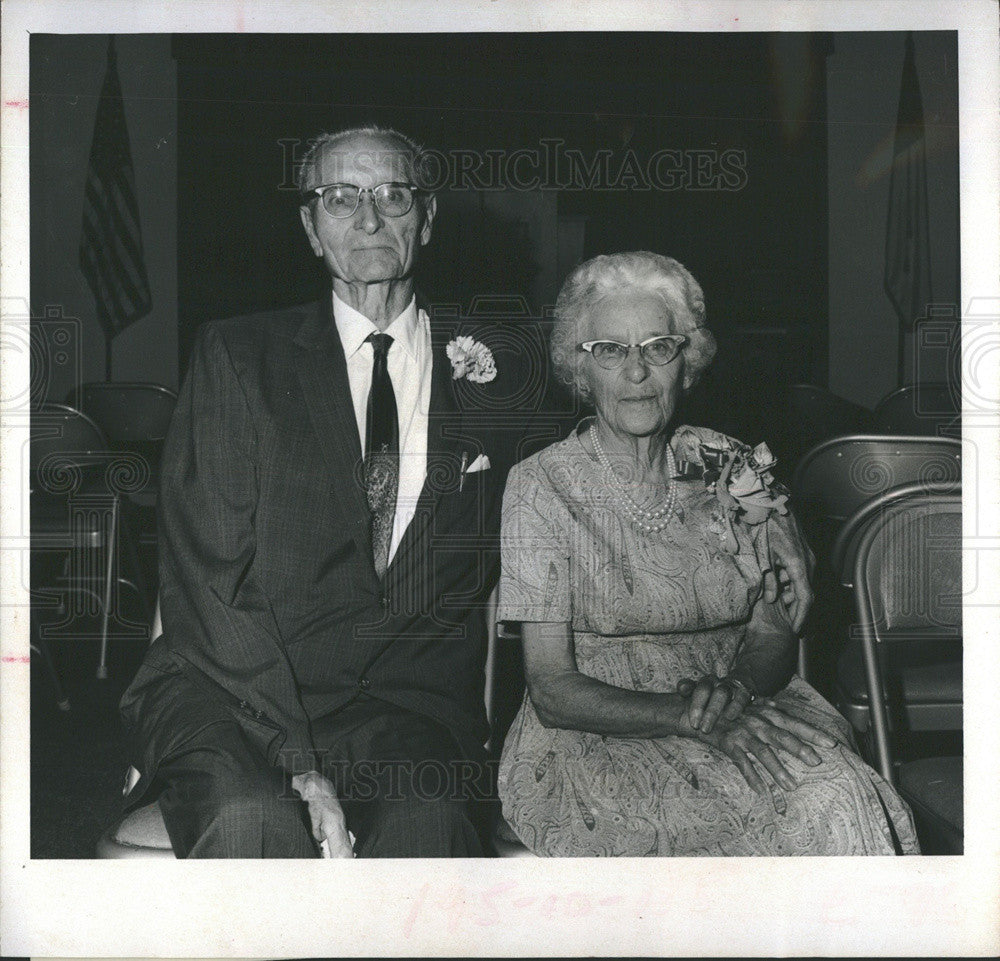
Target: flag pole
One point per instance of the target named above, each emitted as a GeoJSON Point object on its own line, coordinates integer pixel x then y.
{"type": "Point", "coordinates": [907, 275]}
{"type": "Point", "coordinates": [900, 356]}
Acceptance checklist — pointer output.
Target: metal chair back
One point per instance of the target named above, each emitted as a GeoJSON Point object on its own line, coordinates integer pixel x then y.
{"type": "Point", "coordinates": [836, 477]}
{"type": "Point", "coordinates": [907, 587]}
{"type": "Point", "coordinates": [76, 504]}
{"type": "Point", "coordinates": [845, 546]}
{"type": "Point", "coordinates": [57, 429]}
{"type": "Point", "coordinates": [65, 447]}
{"type": "Point", "coordinates": [920, 410]}
{"type": "Point", "coordinates": [128, 413]}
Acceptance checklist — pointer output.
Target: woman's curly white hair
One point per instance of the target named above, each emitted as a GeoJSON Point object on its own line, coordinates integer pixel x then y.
{"type": "Point", "coordinates": [643, 270]}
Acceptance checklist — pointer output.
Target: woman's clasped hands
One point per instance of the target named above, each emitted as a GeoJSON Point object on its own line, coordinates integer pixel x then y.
{"type": "Point", "coordinates": [724, 713]}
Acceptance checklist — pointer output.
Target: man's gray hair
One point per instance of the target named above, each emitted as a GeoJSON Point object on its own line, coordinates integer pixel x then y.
{"type": "Point", "coordinates": [637, 270]}
{"type": "Point", "coordinates": [416, 156]}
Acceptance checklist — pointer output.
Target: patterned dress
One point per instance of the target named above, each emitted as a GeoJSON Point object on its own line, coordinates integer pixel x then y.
{"type": "Point", "coordinates": [646, 611]}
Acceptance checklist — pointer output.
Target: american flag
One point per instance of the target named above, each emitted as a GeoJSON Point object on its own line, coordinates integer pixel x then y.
{"type": "Point", "coordinates": [907, 242]}
{"type": "Point", "coordinates": [111, 256]}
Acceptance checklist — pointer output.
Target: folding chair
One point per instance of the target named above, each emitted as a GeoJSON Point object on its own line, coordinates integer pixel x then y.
{"type": "Point", "coordinates": [75, 497]}
{"type": "Point", "coordinates": [845, 545]}
{"type": "Point", "coordinates": [133, 416]}
{"type": "Point", "coordinates": [931, 691]}
{"type": "Point", "coordinates": [62, 441]}
{"type": "Point", "coordinates": [837, 477]}
{"type": "Point", "coordinates": [908, 593]}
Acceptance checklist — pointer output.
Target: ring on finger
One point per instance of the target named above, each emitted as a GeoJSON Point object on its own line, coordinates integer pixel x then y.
{"type": "Point", "coordinates": [735, 684]}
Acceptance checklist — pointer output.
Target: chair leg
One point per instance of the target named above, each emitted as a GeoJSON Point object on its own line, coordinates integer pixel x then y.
{"type": "Point", "coordinates": [62, 702]}
{"type": "Point", "coordinates": [111, 546]}
{"type": "Point", "coordinates": [130, 541]}
{"type": "Point", "coordinates": [878, 720]}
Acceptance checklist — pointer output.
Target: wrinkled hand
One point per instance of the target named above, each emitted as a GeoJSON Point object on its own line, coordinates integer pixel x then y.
{"type": "Point", "coordinates": [752, 740]}
{"type": "Point", "coordinates": [325, 813]}
{"type": "Point", "coordinates": [793, 562]}
{"type": "Point", "coordinates": [712, 697]}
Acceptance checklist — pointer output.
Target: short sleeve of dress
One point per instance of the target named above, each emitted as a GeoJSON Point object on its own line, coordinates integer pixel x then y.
{"type": "Point", "coordinates": [534, 548]}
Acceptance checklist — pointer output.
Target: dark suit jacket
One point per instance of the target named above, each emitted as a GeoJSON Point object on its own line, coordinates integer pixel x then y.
{"type": "Point", "coordinates": [269, 597]}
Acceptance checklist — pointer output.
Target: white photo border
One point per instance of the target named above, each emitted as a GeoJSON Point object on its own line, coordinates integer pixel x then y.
{"type": "Point", "coordinates": [665, 907]}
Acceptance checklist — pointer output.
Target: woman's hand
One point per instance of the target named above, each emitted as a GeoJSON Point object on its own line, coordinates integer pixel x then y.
{"type": "Point", "coordinates": [325, 813]}
{"type": "Point", "coordinates": [713, 697]}
{"type": "Point", "coordinates": [792, 565]}
{"type": "Point", "coordinates": [752, 740]}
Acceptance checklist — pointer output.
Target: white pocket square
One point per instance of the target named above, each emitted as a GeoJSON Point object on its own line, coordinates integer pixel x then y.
{"type": "Point", "coordinates": [482, 462]}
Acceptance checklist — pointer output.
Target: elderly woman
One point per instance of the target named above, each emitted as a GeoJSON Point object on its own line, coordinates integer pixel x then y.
{"type": "Point", "coordinates": [662, 715]}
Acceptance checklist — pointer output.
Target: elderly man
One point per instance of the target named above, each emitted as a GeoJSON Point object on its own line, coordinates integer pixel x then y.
{"type": "Point", "coordinates": [329, 512]}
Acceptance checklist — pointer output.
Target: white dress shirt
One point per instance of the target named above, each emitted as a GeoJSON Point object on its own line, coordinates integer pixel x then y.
{"type": "Point", "coordinates": [409, 363]}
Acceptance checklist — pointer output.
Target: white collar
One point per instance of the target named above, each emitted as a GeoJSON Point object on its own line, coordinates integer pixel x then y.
{"type": "Point", "coordinates": [354, 327]}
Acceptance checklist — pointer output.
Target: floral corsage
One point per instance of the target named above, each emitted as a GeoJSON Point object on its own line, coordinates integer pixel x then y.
{"type": "Point", "coordinates": [469, 358]}
{"type": "Point", "coordinates": [739, 476]}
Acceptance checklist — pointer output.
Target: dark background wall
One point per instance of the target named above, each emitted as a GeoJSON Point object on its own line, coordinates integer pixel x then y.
{"type": "Point", "coordinates": [787, 241]}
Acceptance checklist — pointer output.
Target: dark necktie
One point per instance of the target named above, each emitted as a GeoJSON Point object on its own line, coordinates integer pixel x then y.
{"type": "Point", "coordinates": [381, 453]}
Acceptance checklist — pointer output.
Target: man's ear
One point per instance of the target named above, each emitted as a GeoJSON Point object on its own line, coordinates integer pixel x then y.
{"type": "Point", "coordinates": [430, 209]}
{"type": "Point", "coordinates": [305, 212]}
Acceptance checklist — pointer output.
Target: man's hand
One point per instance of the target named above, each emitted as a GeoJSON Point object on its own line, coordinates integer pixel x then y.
{"type": "Point", "coordinates": [325, 813]}
{"type": "Point", "coordinates": [751, 742]}
{"type": "Point", "coordinates": [713, 697]}
{"type": "Point", "coordinates": [792, 563]}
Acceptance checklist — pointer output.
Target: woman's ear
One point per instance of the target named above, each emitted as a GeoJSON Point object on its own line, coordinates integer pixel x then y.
{"type": "Point", "coordinates": [689, 378]}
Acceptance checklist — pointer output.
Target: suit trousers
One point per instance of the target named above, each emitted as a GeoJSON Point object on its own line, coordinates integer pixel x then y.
{"type": "Point", "coordinates": [404, 788]}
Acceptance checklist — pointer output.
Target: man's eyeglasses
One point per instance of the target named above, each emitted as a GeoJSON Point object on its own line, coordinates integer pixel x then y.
{"type": "Point", "coordinates": [342, 200]}
{"type": "Point", "coordinates": [657, 351]}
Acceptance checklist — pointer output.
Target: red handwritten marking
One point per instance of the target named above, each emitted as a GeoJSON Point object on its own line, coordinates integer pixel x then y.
{"type": "Point", "coordinates": [16, 659]}
{"type": "Point", "coordinates": [462, 906]}
{"type": "Point", "coordinates": [20, 104]}
{"type": "Point", "coordinates": [549, 905]}
{"type": "Point", "coordinates": [415, 910]}
{"type": "Point", "coordinates": [490, 912]}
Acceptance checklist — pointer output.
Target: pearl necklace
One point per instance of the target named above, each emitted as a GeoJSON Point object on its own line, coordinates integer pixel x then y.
{"type": "Point", "coordinates": [649, 521]}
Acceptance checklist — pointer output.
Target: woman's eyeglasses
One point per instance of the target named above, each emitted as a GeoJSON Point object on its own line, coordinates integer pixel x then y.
{"type": "Point", "coordinates": [657, 351]}
{"type": "Point", "coordinates": [342, 200]}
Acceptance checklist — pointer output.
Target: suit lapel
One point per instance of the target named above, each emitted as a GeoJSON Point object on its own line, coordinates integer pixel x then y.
{"type": "Point", "coordinates": [322, 370]}
{"type": "Point", "coordinates": [444, 442]}
{"type": "Point", "coordinates": [444, 421]}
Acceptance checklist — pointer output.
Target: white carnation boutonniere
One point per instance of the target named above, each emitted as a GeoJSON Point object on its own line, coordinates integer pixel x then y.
{"type": "Point", "coordinates": [471, 359]}
{"type": "Point", "coordinates": [739, 476]}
